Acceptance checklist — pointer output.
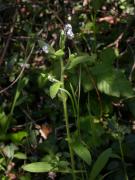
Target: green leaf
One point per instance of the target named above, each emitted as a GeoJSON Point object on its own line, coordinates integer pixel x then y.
{"type": "Point", "coordinates": [82, 152]}
{"type": "Point", "coordinates": [4, 121]}
{"type": "Point", "coordinates": [63, 164]}
{"type": "Point", "coordinates": [73, 62]}
{"type": "Point", "coordinates": [20, 155]}
{"type": "Point", "coordinates": [9, 150]}
{"type": "Point", "coordinates": [24, 81]}
{"type": "Point", "coordinates": [54, 89]}
{"type": "Point", "coordinates": [100, 163]}
{"type": "Point", "coordinates": [59, 53]}
{"type": "Point", "coordinates": [86, 83]}
{"type": "Point", "coordinates": [18, 136]}
{"type": "Point", "coordinates": [62, 40]}
{"type": "Point", "coordinates": [112, 82]}
{"type": "Point", "coordinates": [108, 56]}
{"type": "Point", "coordinates": [38, 167]}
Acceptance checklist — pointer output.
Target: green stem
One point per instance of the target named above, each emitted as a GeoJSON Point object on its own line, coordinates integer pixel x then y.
{"type": "Point", "coordinates": [78, 102]}
{"type": "Point", "coordinates": [123, 161]}
{"type": "Point", "coordinates": [64, 99]}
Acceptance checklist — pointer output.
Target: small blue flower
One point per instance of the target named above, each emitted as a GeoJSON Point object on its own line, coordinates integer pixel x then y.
{"type": "Point", "coordinates": [68, 31]}
{"type": "Point", "coordinates": [45, 49]}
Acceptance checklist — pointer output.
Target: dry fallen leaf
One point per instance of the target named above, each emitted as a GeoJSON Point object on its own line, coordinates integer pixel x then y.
{"type": "Point", "coordinates": [109, 19]}
{"type": "Point", "coordinates": [45, 130]}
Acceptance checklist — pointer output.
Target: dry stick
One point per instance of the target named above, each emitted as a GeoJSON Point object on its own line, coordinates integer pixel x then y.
{"type": "Point", "coordinates": [116, 42]}
{"type": "Point", "coordinates": [133, 67]}
{"type": "Point", "coordinates": [9, 39]}
{"type": "Point", "coordinates": [18, 77]}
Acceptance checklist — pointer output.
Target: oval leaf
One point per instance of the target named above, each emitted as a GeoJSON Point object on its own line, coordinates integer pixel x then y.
{"type": "Point", "coordinates": [54, 89]}
{"type": "Point", "coordinates": [38, 167]}
{"type": "Point", "coordinates": [82, 152]}
{"type": "Point", "coordinates": [20, 155]}
{"type": "Point", "coordinates": [100, 163]}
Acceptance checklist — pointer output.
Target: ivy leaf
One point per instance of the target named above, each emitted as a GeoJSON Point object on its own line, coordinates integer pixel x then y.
{"type": "Point", "coordinates": [100, 163]}
{"type": "Point", "coordinates": [38, 167]}
{"type": "Point", "coordinates": [82, 152]}
{"type": "Point", "coordinates": [54, 89]}
{"type": "Point", "coordinates": [73, 62]}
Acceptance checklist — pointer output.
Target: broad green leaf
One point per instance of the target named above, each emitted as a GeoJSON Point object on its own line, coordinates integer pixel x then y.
{"type": "Point", "coordinates": [82, 152]}
{"type": "Point", "coordinates": [38, 167]}
{"type": "Point", "coordinates": [18, 136]}
{"type": "Point", "coordinates": [108, 56]}
{"type": "Point", "coordinates": [81, 59]}
{"type": "Point", "coordinates": [115, 84]}
{"type": "Point", "coordinates": [112, 82]}
{"type": "Point", "coordinates": [54, 89]}
{"type": "Point", "coordinates": [100, 163]}
{"type": "Point", "coordinates": [20, 155]}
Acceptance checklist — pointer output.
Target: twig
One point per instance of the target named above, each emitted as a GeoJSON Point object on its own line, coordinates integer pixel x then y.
{"type": "Point", "coordinates": [22, 70]}
{"type": "Point", "coordinates": [116, 42]}
{"type": "Point", "coordinates": [133, 66]}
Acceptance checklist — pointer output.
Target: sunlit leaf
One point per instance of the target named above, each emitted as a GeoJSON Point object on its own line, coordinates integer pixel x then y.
{"type": "Point", "coordinates": [38, 167]}
{"type": "Point", "coordinates": [20, 155]}
{"type": "Point", "coordinates": [54, 89]}
{"type": "Point", "coordinates": [18, 136]}
{"type": "Point", "coordinates": [112, 82]}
